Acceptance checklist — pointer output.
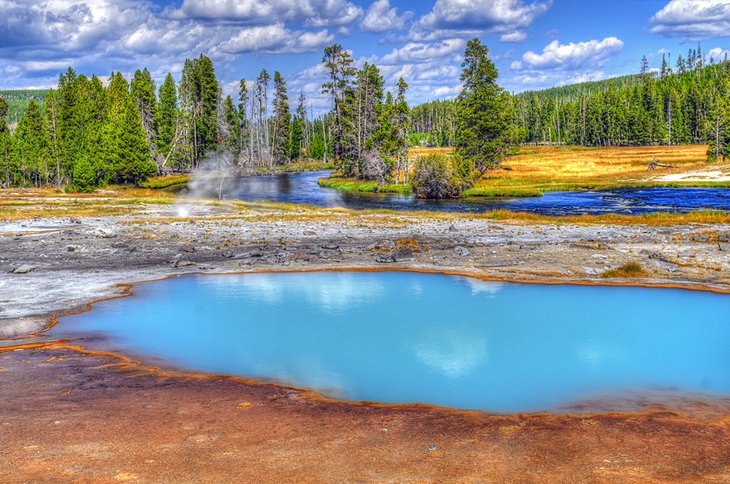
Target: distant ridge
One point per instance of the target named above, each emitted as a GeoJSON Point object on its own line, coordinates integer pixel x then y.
{"type": "Point", "coordinates": [18, 101]}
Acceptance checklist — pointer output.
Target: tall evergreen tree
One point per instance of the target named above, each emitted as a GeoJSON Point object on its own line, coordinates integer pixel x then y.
{"type": "Point", "coordinates": [143, 90]}
{"type": "Point", "coordinates": [53, 135]}
{"type": "Point", "coordinates": [296, 141]}
{"type": "Point", "coordinates": [338, 65]}
{"type": "Point", "coordinates": [199, 93]}
{"type": "Point", "coordinates": [166, 118]}
{"type": "Point", "coordinates": [31, 147]}
{"type": "Point", "coordinates": [243, 137]}
{"type": "Point", "coordinates": [482, 107]}
{"type": "Point", "coordinates": [5, 148]}
{"type": "Point", "coordinates": [282, 119]}
{"type": "Point", "coordinates": [232, 126]}
{"type": "Point", "coordinates": [401, 123]}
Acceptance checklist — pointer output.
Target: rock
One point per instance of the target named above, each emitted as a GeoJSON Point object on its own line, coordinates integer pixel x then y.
{"type": "Point", "coordinates": [453, 229]}
{"type": "Point", "coordinates": [384, 259]}
{"type": "Point", "coordinates": [228, 254]}
{"type": "Point", "coordinates": [659, 257]}
{"type": "Point", "coordinates": [310, 232]}
{"type": "Point", "coordinates": [74, 248]}
{"type": "Point", "coordinates": [461, 251]}
{"type": "Point", "coordinates": [330, 246]}
{"type": "Point", "coordinates": [24, 269]}
{"type": "Point", "coordinates": [178, 261]}
{"type": "Point", "coordinates": [723, 247]}
{"type": "Point", "coordinates": [104, 233]}
{"type": "Point", "coordinates": [188, 248]}
{"type": "Point", "coordinates": [119, 245]}
{"type": "Point", "coordinates": [382, 244]}
{"type": "Point", "coordinates": [402, 253]}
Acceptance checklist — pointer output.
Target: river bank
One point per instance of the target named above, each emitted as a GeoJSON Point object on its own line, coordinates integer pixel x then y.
{"type": "Point", "coordinates": [102, 417]}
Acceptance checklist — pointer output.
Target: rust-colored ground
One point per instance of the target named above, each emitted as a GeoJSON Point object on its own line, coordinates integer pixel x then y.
{"type": "Point", "coordinates": [69, 416]}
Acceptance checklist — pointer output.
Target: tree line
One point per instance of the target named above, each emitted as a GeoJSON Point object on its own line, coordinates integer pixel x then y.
{"type": "Point", "coordinates": [88, 133]}
{"type": "Point", "coordinates": [689, 104]}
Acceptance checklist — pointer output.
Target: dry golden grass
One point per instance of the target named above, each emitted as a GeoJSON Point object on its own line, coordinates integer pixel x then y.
{"type": "Point", "coordinates": [630, 269]}
{"type": "Point", "coordinates": [27, 203]}
{"type": "Point", "coordinates": [549, 168]}
{"type": "Point", "coordinates": [574, 162]}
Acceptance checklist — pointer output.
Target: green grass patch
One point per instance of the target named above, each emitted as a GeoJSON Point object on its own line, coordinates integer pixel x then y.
{"type": "Point", "coordinates": [496, 192]}
{"type": "Point", "coordinates": [166, 182]}
{"type": "Point", "coordinates": [364, 186]}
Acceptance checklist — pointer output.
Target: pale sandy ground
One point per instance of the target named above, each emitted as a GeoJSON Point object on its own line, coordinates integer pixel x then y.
{"type": "Point", "coordinates": [696, 176]}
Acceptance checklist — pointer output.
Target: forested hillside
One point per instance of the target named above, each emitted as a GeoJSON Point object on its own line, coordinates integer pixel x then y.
{"type": "Point", "coordinates": [682, 106]}
{"type": "Point", "coordinates": [18, 101]}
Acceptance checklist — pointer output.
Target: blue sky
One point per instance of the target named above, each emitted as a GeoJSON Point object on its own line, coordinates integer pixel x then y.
{"type": "Point", "coordinates": [535, 43]}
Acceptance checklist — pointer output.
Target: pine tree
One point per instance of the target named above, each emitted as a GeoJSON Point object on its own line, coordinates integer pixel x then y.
{"type": "Point", "coordinates": [166, 118]}
{"type": "Point", "coordinates": [126, 149]}
{"type": "Point", "coordinates": [260, 136]}
{"type": "Point", "coordinates": [84, 176]}
{"type": "Point", "coordinates": [367, 102]}
{"type": "Point", "coordinates": [719, 124]}
{"type": "Point", "coordinates": [199, 93]}
{"type": "Point", "coordinates": [243, 137]}
{"type": "Point", "coordinates": [401, 123]}
{"type": "Point", "coordinates": [482, 135]}
{"type": "Point", "coordinates": [31, 147]}
{"type": "Point", "coordinates": [52, 122]}
{"type": "Point", "coordinates": [5, 148]}
{"type": "Point", "coordinates": [282, 119]}
{"type": "Point", "coordinates": [232, 130]}
{"type": "Point", "coordinates": [134, 164]}
{"type": "Point", "coordinates": [143, 90]}
{"type": "Point", "coordinates": [296, 142]}
{"type": "Point", "coordinates": [338, 65]}
{"type": "Point", "coordinates": [70, 123]}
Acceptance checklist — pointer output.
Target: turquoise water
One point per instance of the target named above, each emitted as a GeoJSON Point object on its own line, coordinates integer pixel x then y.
{"type": "Point", "coordinates": [404, 337]}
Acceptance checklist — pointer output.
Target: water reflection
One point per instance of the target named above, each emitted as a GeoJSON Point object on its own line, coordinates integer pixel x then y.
{"type": "Point", "coordinates": [487, 288]}
{"type": "Point", "coordinates": [452, 352]}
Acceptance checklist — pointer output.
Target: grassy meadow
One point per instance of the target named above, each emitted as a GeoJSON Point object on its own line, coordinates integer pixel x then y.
{"type": "Point", "coordinates": [539, 169]}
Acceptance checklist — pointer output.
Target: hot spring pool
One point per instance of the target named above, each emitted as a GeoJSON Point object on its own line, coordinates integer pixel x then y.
{"type": "Point", "coordinates": [400, 337]}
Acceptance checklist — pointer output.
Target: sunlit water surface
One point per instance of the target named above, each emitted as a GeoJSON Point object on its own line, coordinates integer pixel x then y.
{"type": "Point", "coordinates": [404, 337]}
{"type": "Point", "coordinates": [303, 188]}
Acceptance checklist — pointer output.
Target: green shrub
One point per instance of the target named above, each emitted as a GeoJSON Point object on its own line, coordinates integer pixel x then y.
{"type": "Point", "coordinates": [432, 177]}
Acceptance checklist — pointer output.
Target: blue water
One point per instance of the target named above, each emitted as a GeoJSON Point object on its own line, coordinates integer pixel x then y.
{"type": "Point", "coordinates": [303, 188]}
{"type": "Point", "coordinates": [404, 337]}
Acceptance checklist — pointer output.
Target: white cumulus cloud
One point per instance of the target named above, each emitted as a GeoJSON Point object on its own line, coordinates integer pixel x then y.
{"type": "Point", "coordinates": [450, 18]}
{"type": "Point", "coordinates": [316, 13]}
{"type": "Point", "coordinates": [381, 17]}
{"type": "Point", "coordinates": [693, 19]}
{"type": "Point", "coordinates": [570, 56]}
{"type": "Point", "coordinates": [414, 52]}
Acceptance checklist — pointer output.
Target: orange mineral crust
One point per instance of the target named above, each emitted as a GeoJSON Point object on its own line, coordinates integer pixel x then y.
{"type": "Point", "coordinates": [73, 416]}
